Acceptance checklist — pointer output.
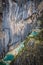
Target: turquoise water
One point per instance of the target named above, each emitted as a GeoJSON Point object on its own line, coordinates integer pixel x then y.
{"type": "Point", "coordinates": [2, 63]}
{"type": "Point", "coordinates": [8, 57]}
{"type": "Point", "coordinates": [34, 33]}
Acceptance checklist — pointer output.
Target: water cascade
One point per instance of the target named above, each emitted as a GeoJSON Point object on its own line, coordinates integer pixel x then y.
{"type": "Point", "coordinates": [14, 25]}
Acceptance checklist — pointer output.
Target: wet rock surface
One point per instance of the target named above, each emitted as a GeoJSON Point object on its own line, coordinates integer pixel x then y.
{"type": "Point", "coordinates": [14, 26]}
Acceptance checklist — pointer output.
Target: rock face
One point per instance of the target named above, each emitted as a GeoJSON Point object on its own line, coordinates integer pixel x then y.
{"type": "Point", "coordinates": [14, 26]}
{"type": "Point", "coordinates": [0, 6]}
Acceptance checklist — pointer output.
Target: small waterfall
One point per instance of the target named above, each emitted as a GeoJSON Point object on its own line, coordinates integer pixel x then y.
{"type": "Point", "coordinates": [15, 28]}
